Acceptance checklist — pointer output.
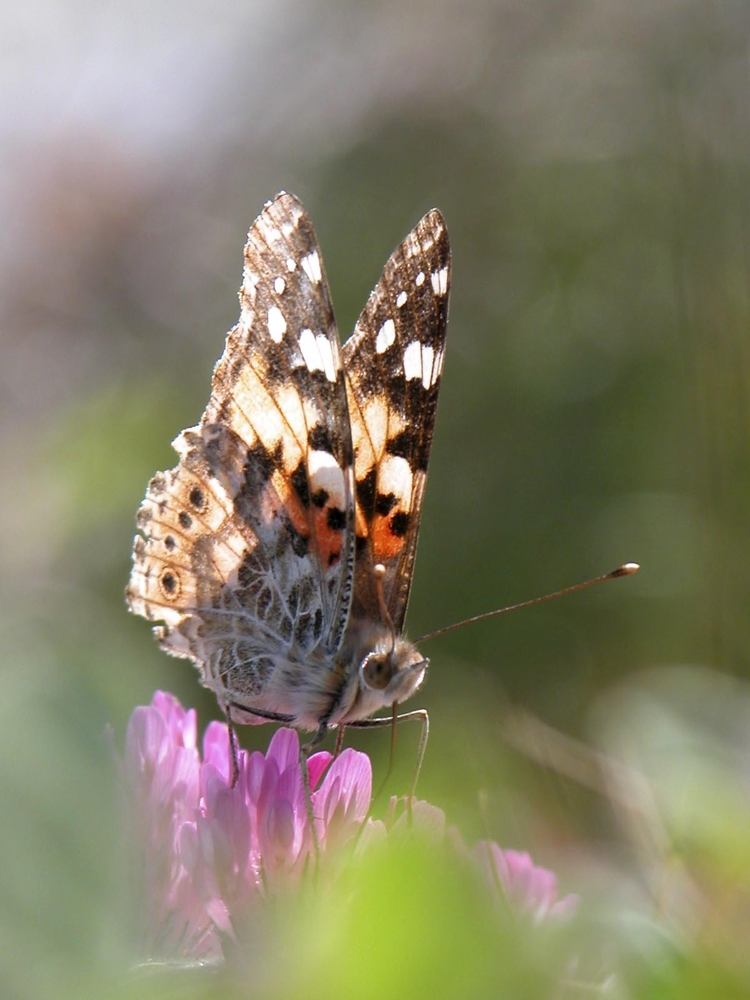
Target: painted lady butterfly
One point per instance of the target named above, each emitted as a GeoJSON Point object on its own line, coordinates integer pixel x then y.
{"type": "Point", "coordinates": [279, 552]}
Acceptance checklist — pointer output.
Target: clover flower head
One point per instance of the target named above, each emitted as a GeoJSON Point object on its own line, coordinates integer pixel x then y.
{"type": "Point", "coordinates": [208, 851]}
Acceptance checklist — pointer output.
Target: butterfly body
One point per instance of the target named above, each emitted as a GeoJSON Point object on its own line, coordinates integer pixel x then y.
{"type": "Point", "coordinates": [278, 554]}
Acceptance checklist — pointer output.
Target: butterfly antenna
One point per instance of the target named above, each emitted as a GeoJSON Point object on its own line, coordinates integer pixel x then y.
{"type": "Point", "coordinates": [628, 569]}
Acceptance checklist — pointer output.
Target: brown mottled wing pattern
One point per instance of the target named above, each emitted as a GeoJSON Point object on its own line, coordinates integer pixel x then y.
{"type": "Point", "coordinates": [246, 546]}
{"type": "Point", "coordinates": [392, 364]}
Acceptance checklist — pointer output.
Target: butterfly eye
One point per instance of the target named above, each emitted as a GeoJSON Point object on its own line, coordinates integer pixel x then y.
{"type": "Point", "coordinates": [376, 671]}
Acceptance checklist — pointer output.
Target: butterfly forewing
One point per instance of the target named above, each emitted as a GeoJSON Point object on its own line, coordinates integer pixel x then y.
{"type": "Point", "coordinates": [276, 427]}
{"type": "Point", "coordinates": [393, 363]}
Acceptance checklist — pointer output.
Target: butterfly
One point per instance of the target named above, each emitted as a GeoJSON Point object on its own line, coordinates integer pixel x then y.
{"type": "Point", "coordinates": [278, 554]}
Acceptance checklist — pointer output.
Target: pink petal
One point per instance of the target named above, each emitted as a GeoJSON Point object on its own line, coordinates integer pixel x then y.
{"type": "Point", "coordinates": [350, 778]}
{"type": "Point", "coordinates": [284, 748]}
{"type": "Point", "coordinates": [342, 801]}
{"type": "Point", "coordinates": [216, 747]}
{"type": "Point", "coordinates": [530, 888]}
{"type": "Point", "coordinates": [280, 825]}
{"type": "Point", "coordinates": [181, 724]}
{"type": "Point", "coordinates": [145, 739]}
{"type": "Point", "coordinates": [254, 771]}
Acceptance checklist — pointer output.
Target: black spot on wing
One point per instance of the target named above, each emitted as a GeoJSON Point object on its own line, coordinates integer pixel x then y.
{"type": "Point", "coordinates": [336, 519]}
{"type": "Point", "coordinates": [197, 498]}
{"type": "Point", "coordinates": [185, 519]}
{"type": "Point", "coordinates": [366, 491]}
{"type": "Point", "coordinates": [259, 466]}
{"type": "Point", "coordinates": [319, 439]}
{"type": "Point", "coordinates": [299, 483]}
{"type": "Point", "coordinates": [399, 524]}
{"type": "Point", "coordinates": [384, 503]}
{"type": "Point", "coordinates": [402, 445]}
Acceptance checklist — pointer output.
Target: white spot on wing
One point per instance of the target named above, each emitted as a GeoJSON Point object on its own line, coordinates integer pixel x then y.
{"type": "Point", "coordinates": [279, 284]}
{"type": "Point", "coordinates": [386, 336]}
{"type": "Point", "coordinates": [276, 324]}
{"type": "Point", "coordinates": [413, 361]}
{"type": "Point", "coordinates": [325, 473]}
{"type": "Point", "coordinates": [439, 281]}
{"type": "Point", "coordinates": [311, 267]}
{"type": "Point", "coordinates": [326, 353]}
{"type": "Point", "coordinates": [394, 476]}
{"type": "Point", "coordinates": [428, 355]}
{"type": "Point", "coordinates": [401, 299]}
{"type": "Point", "coordinates": [310, 351]}
{"type": "Point", "coordinates": [291, 264]}
{"type": "Point", "coordinates": [317, 353]}
{"type": "Point", "coordinates": [419, 280]}
{"type": "Point", "coordinates": [419, 363]}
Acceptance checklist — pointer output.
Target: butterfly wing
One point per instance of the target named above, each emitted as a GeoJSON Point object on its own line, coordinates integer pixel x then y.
{"type": "Point", "coordinates": [393, 363]}
{"type": "Point", "coordinates": [246, 551]}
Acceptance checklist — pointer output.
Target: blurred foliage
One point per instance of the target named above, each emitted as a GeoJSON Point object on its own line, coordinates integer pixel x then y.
{"type": "Point", "coordinates": [592, 163]}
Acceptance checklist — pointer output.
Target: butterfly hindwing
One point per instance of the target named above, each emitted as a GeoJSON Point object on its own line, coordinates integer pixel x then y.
{"type": "Point", "coordinates": [393, 363]}
{"type": "Point", "coordinates": [188, 572]}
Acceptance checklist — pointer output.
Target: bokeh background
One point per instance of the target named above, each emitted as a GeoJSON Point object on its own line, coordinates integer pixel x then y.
{"type": "Point", "coordinates": [592, 161]}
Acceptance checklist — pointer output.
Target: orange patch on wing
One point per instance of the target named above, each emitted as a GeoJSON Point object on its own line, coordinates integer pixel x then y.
{"type": "Point", "coordinates": [385, 544]}
{"type": "Point", "coordinates": [329, 541]}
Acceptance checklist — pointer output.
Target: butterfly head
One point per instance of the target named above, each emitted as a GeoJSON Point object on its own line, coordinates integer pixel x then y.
{"type": "Point", "coordinates": [392, 673]}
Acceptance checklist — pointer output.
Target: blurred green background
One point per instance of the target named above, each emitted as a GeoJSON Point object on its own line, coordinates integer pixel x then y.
{"type": "Point", "coordinates": [592, 162]}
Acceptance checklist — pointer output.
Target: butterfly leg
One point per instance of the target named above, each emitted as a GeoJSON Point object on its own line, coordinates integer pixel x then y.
{"type": "Point", "coordinates": [233, 751]}
{"type": "Point", "coordinates": [339, 741]}
{"type": "Point", "coordinates": [419, 715]}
